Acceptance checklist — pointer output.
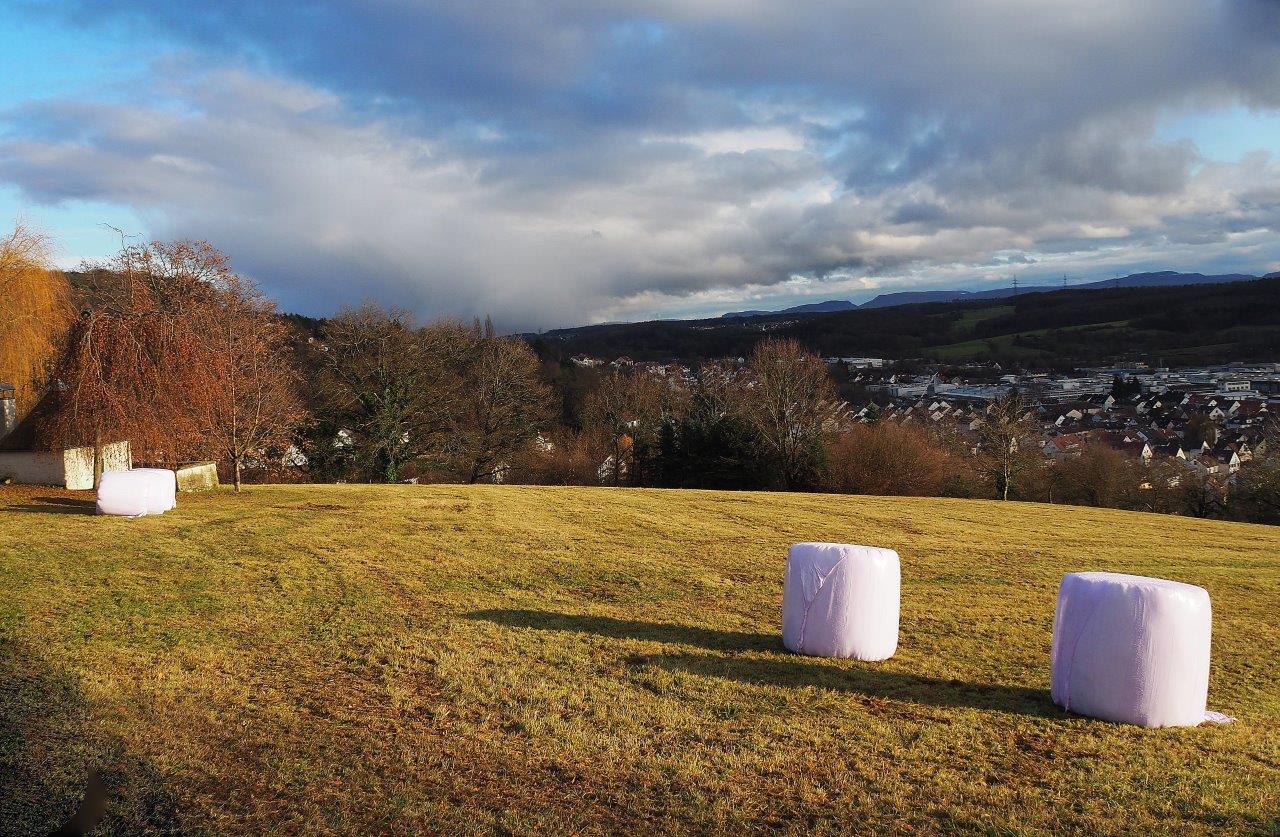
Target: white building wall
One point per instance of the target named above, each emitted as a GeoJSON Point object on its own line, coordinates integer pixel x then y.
{"type": "Point", "coordinates": [33, 467]}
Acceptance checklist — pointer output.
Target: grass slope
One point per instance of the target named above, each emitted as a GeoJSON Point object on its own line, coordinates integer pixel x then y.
{"type": "Point", "coordinates": [449, 659]}
{"type": "Point", "coordinates": [1004, 346]}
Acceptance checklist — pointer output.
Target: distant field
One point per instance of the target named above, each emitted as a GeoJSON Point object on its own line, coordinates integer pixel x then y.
{"type": "Point", "coordinates": [1004, 345]}
{"type": "Point", "coordinates": [971, 317]}
{"type": "Point", "coordinates": [407, 659]}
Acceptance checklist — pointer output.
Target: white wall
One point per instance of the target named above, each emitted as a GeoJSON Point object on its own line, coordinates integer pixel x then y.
{"type": "Point", "coordinates": [33, 467]}
{"type": "Point", "coordinates": [71, 469]}
{"type": "Point", "coordinates": [78, 463]}
{"type": "Point", "coordinates": [201, 476]}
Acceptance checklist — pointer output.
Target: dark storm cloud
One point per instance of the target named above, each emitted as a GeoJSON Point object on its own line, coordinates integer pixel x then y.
{"type": "Point", "coordinates": [553, 161]}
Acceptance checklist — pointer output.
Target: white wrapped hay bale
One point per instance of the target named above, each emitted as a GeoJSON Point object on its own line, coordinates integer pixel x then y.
{"type": "Point", "coordinates": [841, 600]}
{"type": "Point", "coordinates": [128, 493]}
{"type": "Point", "coordinates": [164, 484]}
{"type": "Point", "coordinates": [1132, 649]}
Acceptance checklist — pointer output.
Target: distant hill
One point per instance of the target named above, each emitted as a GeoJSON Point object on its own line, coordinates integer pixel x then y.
{"type": "Point", "coordinates": [1160, 317]}
{"type": "Point", "coordinates": [1162, 279]}
{"type": "Point", "coordinates": [810, 308]}
{"type": "Point", "coordinates": [1168, 278]}
{"type": "Point", "coordinates": [912, 298]}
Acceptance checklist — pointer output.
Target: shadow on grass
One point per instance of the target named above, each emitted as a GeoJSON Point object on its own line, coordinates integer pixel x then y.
{"type": "Point", "coordinates": [631, 629]}
{"type": "Point", "coordinates": [58, 773]}
{"type": "Point", "coordinates": [869, 680]}
{"type": "Point", "coordinates": [55, 505]}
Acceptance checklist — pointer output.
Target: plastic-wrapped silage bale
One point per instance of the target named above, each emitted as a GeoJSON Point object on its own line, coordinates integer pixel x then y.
{"type": "Point", "coordinates": [128, 493]}
{"type": "Point", "coordinates": [164, 494]}
{"type": "Point", "coordinates": [841, 600]}
{"type": "Point", "coordinates": [1132, 649]}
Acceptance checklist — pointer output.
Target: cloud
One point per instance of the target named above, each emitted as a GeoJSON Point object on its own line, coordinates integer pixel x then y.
{"type": "Point", "coordinates": [554, 162]}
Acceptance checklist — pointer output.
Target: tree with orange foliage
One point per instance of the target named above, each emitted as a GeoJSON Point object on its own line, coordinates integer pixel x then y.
{"type": "Point", "coordinates": [35, 311]}
{"type": "Point", "coordinates": [177, 354]}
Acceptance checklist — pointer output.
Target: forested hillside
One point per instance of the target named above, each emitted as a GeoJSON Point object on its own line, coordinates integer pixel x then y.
{"type": "Point", "coordinates": [1177, 325]}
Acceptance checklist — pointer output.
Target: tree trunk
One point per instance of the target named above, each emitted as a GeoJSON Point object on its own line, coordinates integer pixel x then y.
{"type": "Point", "coordinates": [98, 464]}
{"type": "Point", "coordinates": [236, 472]}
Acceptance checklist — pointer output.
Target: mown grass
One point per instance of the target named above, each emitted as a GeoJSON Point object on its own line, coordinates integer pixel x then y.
{"type": "Point", "coordinates": [519, 659]}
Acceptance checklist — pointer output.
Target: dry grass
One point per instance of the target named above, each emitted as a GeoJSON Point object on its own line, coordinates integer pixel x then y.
{"type": "Point", "coordinates": [395, 659]}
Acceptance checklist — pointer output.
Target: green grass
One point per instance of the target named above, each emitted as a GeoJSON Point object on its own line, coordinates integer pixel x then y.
{"type": "Point", "coordinates": [979, 347]}
{"type": "Point", "coordinates": [972, 316]}
{"type": "Point", "coordinates": [516, 659]}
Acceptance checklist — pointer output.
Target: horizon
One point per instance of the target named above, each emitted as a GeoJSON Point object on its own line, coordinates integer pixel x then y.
{"type": "Point", "coordinates": [564, 164]}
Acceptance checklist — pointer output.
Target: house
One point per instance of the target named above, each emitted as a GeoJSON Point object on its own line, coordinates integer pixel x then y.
{"type": "Point", "coordinates": [22, 461]}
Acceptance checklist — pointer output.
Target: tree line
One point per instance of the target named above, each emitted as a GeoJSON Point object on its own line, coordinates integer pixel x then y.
{"type": "Point", "coordinates": [165, 346]}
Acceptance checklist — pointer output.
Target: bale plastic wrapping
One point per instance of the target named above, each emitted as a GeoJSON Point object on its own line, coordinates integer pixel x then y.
{"type": "Point", "coordinates": [164, 494]}
{"type": "Point", "coordinates": [128, 493]}
{"type": "Point", "coordinates": [1132, 649]}
{"type": "Point", "coordinates": [841, 600]}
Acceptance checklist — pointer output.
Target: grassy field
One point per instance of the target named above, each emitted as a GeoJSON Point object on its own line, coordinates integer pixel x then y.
{"type": "Point", "coordinates": [516, 659]}
{"type": "Point", "coordinates": [977, 347]}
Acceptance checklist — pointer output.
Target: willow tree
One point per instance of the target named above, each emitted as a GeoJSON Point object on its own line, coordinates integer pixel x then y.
{"type": "Point", "coordinates": [137, 365]}
{"type": "Point", "coordinates": [35, 310]}
{"type": "Point", "coordinates": [180, 356]}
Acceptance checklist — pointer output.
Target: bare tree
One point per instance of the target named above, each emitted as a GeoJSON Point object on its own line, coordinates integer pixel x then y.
{"type": "Point", "coordinates": [1258, 493]}
{"type": "Point", "coordinates": [889, 459]}
{"type": "Point", "coordinates": [1101, 477]}
{"type": "Point", "coordinates": [392, 387]}
{"type": "Point", "coordinates": [1199, 494]}
{"type": "Point", "coordinates": [502, 406]}
{"type": "Point", "coordinates": [1005, 435]}
{"type": "Point", "coordinates": [255, 406]}
{"type": "Point", "coordinates": [1200, 429]}
{"type": "Point", "coordinates": [790, 402]}
{"type": "Point", "coordinates": [626, 406]}
{"type": "Point", "coordinates": [567, 458]}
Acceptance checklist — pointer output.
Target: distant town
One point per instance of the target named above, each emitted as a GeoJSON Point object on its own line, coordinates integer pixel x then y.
{"type": "Point", "coordinates": [1208, 419]}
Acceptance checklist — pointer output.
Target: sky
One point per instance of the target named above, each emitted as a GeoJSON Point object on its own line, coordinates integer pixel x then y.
{"type": "Point", "coordinates": [559, 162]}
